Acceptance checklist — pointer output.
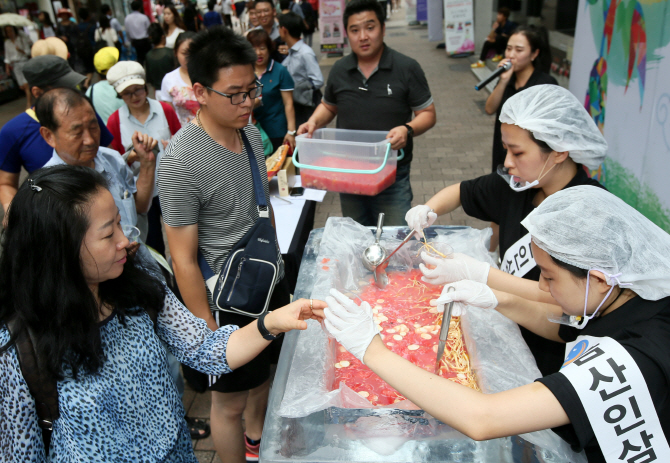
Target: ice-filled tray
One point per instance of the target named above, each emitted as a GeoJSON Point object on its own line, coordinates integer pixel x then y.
{"type": "Point", "coordinates": [346, 161]}
{"type": "Point", "coordinates": [308, 421]}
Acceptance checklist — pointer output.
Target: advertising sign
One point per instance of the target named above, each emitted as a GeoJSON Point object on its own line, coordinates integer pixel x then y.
{"type": "Point", "coordinates": [458, 27]}
{"type": "Point", "coordinates": [331, 26]}
{"type": "Point", "coordinates": [422, 10]}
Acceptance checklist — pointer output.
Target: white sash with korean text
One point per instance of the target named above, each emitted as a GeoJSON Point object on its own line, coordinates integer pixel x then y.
{"type": "Point", "coordinates": [616, 400]}
{"type": "Point", "coordinates": [518, 259]}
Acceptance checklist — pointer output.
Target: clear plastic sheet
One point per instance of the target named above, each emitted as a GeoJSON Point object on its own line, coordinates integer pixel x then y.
{"type": "Point", "coordinates": [498, 353]}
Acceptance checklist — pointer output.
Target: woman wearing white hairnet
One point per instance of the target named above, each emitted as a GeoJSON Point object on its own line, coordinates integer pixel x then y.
{"type": "Point", "coordinates": [549, 138]}
{"type": "Point", "coordinates": [608, 267]}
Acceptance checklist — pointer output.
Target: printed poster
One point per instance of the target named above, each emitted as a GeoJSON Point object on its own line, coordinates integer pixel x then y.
{"type": "Point", "coordinates": [331, 26]}
{"type": "Point", "coordinates": [458, 27]}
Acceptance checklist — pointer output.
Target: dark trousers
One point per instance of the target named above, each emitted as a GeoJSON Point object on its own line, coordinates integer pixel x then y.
{"type": "Point", "coordinates": [394, 202]}
{"type": "Point", "coordinates": [276, 143]}
{"type": "Point", "coordinates": [302, 113]}
{"type": "Point", "coordinates": [142, 47]}
{"type": "Point", "coordinates": [499, 47]}
{"type": "Point", "coordinates": [155, 234]}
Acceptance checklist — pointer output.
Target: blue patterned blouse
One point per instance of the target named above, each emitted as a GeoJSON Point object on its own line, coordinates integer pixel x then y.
{"type": "Point", "coordinates": [130, 409]}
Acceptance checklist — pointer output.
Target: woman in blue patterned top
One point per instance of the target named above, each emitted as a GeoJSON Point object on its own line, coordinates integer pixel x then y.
{"type": "Point", "coordinates": [65, 274]}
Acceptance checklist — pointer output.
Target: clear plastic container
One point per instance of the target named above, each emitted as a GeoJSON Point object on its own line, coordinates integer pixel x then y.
{"type": "Point", "coordinates": [346, 161]}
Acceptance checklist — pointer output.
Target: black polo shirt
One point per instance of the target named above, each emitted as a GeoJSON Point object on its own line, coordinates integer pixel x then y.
{"type": "Point", "coordinates": [643, 329]}
{"type": "Point", "coordinates": [537, 78]}
{"type": "Point", "coordinates": [383, 101]}
{"type": "Point", "coordinates": [490, 198]}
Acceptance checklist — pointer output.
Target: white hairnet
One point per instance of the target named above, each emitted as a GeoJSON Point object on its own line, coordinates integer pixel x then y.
{"type": "Point", "coordinates": [556, 117]}
{"type": "Point", "coordinates": [590, 228]}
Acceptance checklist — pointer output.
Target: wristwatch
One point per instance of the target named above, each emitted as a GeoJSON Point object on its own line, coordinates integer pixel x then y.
{"type": "Point", "coordinates": [410, 130]}
{"type": "Point", "coordinates": [264, 331]}
{"type": "Point", "coordinates": [291, 132]}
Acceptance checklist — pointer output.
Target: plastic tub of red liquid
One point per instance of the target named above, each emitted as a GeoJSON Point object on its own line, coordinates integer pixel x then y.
{"type": "Point", "coordinates": [346, 161]}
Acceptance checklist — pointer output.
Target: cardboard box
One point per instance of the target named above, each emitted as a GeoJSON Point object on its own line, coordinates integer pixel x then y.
{"type": "Point", "coordinates": [286, 177]}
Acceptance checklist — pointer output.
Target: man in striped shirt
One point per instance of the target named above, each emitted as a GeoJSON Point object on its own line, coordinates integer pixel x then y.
{"type": "Point", "coordinates": [208, 204]}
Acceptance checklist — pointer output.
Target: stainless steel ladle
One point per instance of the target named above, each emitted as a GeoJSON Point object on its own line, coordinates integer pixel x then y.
{"type": "Point", "coordinates": [375, 253]}
{"type": "Point", "coordinates": [381, 278]}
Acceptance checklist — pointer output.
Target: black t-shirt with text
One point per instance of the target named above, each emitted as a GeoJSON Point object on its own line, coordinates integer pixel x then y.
{"type": "Point", "coordinates": [643, 329]}
{"type": "Point", "coordinates": [490, 198]}
{"type": "Point", "coordinates": [386, 99]}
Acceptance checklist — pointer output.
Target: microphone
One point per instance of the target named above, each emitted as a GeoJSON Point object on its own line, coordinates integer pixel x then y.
{"type": "Point", "coordinates": [505, 67]}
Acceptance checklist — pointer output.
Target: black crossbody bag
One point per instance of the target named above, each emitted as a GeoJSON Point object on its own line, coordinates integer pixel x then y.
{"type": "Point", "coordinates": [248, 276]}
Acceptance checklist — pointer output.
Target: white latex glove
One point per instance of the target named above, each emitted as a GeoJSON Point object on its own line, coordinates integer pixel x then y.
{"type": "Point", "coordinates": [420, 217]}
{"type": "Point", "coordinates": [469, 293]}
{"type": "Point", "coordinates": [456, 268]}
{"type": "Point", "coordinates": [350, 324]}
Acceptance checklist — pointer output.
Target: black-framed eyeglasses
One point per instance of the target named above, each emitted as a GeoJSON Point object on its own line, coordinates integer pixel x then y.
{"type": "Point", "coordinates": [241, 97]}
{"type": "Point", "coordinates": [139, 92]}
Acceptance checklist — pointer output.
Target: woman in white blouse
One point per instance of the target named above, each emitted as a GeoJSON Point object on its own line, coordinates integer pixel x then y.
{"type": "Point", "coordinates": [106, 32]}
{"type": "Point", "coordinates": [173, 24]}
{"type": "Point", "coordinates": [17, 53]}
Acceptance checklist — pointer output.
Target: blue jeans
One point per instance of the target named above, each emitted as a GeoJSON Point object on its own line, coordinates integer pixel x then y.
{"type": "Point", "coordinates": [394, 202]}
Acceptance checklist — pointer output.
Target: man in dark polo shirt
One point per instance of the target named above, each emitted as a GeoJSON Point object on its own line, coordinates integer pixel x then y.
{"type": "Point", "coordinates": [376, 88]}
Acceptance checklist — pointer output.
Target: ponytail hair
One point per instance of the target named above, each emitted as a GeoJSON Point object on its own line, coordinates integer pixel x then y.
{"type": "Point", "coordinates": [538, 38]}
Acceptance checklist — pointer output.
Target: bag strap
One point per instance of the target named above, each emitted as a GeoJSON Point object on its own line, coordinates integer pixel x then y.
{"type": "Point", "coordinates": [256, 175]}
{"type": "Point", "coordinates": [42, 386]}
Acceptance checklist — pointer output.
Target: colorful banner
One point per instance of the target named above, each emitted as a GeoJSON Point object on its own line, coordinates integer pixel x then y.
{"type": "Point", "coordinates": [331, 26]}
{"type": "Point", "coordinates": [620, 71]}
{"type": "Point", "coordinates": [458, 27]}
{"type": "Point", "coordinates": [422, 10]}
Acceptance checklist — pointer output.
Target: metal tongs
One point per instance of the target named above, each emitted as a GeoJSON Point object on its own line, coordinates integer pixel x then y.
{"type": "Point", "coordinates": [444, 330]}
{"type": "Point", "coordinates": [381, 278]}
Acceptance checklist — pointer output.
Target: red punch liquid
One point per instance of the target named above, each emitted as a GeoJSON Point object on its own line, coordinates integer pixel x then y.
{"type": "Point", "coordinates": [410, 327]}
{"type": "Point", "coordinates": [340, 182]}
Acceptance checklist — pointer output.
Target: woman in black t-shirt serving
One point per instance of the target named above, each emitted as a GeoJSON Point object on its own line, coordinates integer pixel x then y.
{"type": "Point", "coordinates": [608, 269]}
{"type": "Point", "coordinates": [528, 51]}
{"type": "Point", "coordinates": [548, 136]}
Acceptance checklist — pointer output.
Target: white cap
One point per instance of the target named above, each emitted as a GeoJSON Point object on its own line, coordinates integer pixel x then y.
{"type": "Point", "coordinates": [124, 74]}
{"type": "Point", "coordinates": [590, 228]}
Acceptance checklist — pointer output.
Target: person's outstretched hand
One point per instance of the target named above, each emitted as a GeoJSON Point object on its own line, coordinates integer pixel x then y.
{"type": "Point", "coordinates": [352, 325]}
{"type": "Point", "coordinates": [420, 217]}
{"type": "Point", "coordinates": [454, 268]}
{"type": "Point", "coordinates": [293, 316]}
{"type": "Point", "coordinates": [469, 293]}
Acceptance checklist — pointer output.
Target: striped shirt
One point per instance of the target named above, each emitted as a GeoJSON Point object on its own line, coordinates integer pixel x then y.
{"type": "Point", "coordinates": [201, 182]}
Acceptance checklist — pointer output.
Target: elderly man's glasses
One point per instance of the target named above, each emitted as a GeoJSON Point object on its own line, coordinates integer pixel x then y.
{"type": "Point", "coordinates": [241, 97]}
